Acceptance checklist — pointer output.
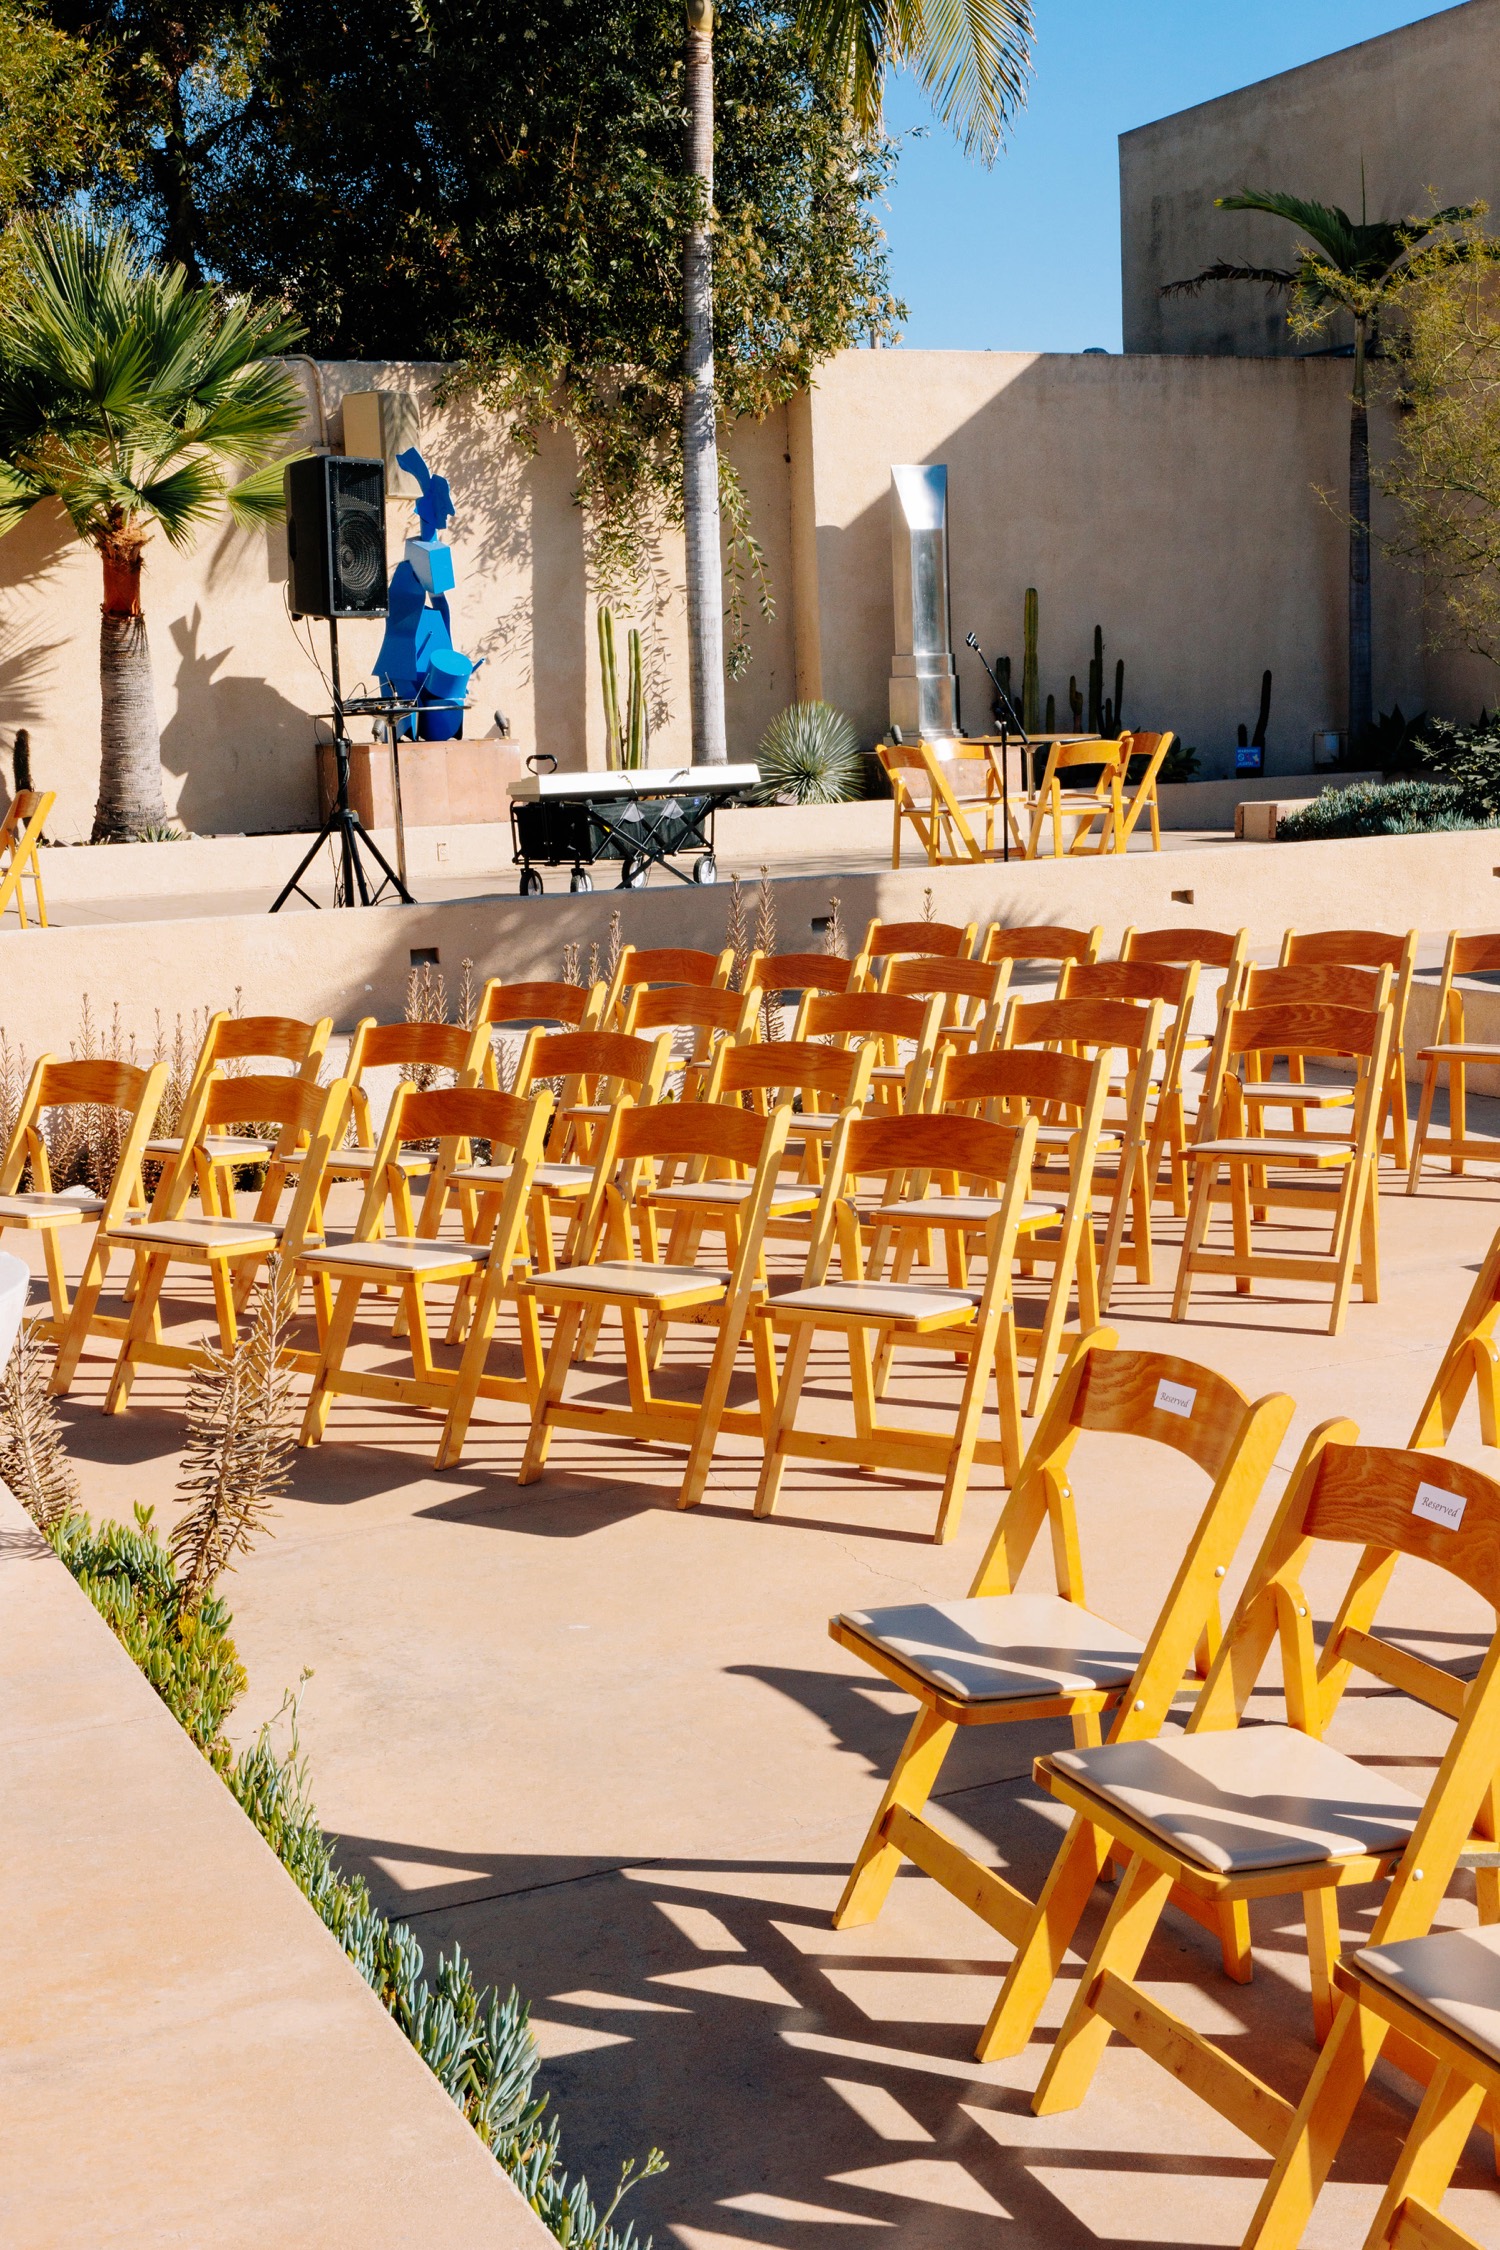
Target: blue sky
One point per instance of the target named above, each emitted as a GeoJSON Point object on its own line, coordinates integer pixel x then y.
{"type": "Point", "coordinates": [1026, 257]}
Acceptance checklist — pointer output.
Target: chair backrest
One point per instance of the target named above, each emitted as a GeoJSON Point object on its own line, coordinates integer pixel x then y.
{"type": "Point", "coordinates": [1172, 983]}
{"type": "Point", "coordinates": [1015, 1078]}
{"type": "Point", "coordinates": [911, 1154]}
{"type": "Point", "coordinates": [1474, 955]}
{"type": "Point", "coordinates": [575, 1005]}
{"type": "Point", "coordinates": [804, 972]}
{"type": "Point", "coordinates": [1091, 750]}
{"type": "Point", "coordinates": [1314, 984]}
{"type": "Point", "coordinates": [1394, 1502]}
{"type": "Point", "coordinates": [836, 1077]}
{"type": "Point", "coordinates": [304, 1112]}
{"type": "Point", "coordinates": [1043, 942]}
{"type": "Point", "coordinates": [709, 1010]}
{"type": "Point", "coordinates": [1361, 949]}
{"type": "Point", "coordinates": [515, 1126]}
{"type": "Point", "coordinates": [97, 1084]}
{"type": "Point", "coordinates": [598, 1066]}
{"type": "Point", "coordinates": [954, 976]}
{"type": "Point", "coordinates": [1142, 792]}
{"type": "Point", "coordinates": [1168, 1401]}
{"type": "Point", "coordinates": [883, 939]}
{"type": "Point", "coordinates": [696, 1135]}
{"type": "Point", "coordinates": [864, 1015]}
{"type": "Point", "coordinates": [1212, 949]}
{"type": "Point", "coordinates": [411, 1046]}
{"type": "Point", "coordinates": [665, 964]}
{"type": "Point", "coordinates": [1132, 1027]}
{"type": "Point", "coordinates": [260, 1038]}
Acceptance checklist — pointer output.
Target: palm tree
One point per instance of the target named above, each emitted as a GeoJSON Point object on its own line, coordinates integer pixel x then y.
{"type": "Point", "coordinates": [972, 56]}
{"type": "Point", "coordinates": [125, 395]}
{"type": "Point", "coordinates": [1352, 266]}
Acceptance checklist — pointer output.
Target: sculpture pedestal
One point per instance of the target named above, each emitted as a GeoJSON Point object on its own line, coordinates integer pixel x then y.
{"type": "Point", "coordinates": [443, 784]}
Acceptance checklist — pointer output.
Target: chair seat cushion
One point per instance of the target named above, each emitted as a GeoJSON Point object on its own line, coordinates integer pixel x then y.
{"type": "Point", "coordinates": [1276, 1093]}
{"type": "Point", "coordinates": [200, 1234]}
{"type": "Point", "coordinates": [1466, 1050]}
{"type": "Point", "coordinates": [559, 1179]}
{"type": "Point", "coordinates": [238, 1147]}
{"type": "Point", "coordinates": [787, 1196]}
{"type": "Point", "coordinates": [1266, 1149]}
{"type": "Point", "coordinates": [1002, 1648]}
{"type": "Point", "coordinates": [879, 1301]}
{"type": "Point", "coordinates": [36, 1209]}
{"type": "Point", "coordinates": [399, 1254]}
{"type": "Point", "coordinates": [620, 1277]}
{"type": "Point", "coordinates": [1248, 1799]}
{"type": "Point", "coordinates": [969, 1210]}
{"type": "Point", "coordinates": [1453, 1977]}
{"type": "Point", "coordinates": [360, 1162]}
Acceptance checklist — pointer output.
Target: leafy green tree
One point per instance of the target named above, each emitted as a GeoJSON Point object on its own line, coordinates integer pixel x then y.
{"type": "Point", "coordinates": [125, 396]}
{"type": "Point", "coordinates": [1357, 267]}
{"type": "Point", "coordinates": [56, 119]}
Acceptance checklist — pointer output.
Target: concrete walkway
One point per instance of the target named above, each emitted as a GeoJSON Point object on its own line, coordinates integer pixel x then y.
{"type": "Point", "coordinates": [610, 1750]}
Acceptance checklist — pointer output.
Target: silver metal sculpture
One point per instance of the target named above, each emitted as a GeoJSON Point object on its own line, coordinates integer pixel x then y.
{"type": "Point", "coordinates": [924, 678]}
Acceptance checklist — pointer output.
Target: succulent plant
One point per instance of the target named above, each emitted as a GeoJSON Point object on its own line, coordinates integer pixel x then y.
{"type": "Point", "coordinates": [810, 755]}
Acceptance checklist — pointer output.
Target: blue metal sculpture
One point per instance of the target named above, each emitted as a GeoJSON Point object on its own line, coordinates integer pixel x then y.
{"type": "Point", "coordinates": [417, 658]}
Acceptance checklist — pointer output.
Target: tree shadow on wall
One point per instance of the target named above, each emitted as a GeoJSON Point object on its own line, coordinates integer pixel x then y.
{"type": "Point", "coordinates": [243, 750]}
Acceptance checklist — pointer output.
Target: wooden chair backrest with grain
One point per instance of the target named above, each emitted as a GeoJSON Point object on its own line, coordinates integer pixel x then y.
{"type": "Point", "coordinates": [228, 1039]}
{"type": "Point", "coordinates": [306, 1114]}
{"type": "Point", "coordinates": [849, 1017]}
{"type": "Point", "coordinates": [883, 940]}
{"type": "Point", "coordinates": [1474, 955]}
{"type": "Point", "coordinates": [1047, 942]}
{"type": "Point", "coordinates": [1050, 802]}
{"type": "Point", "coordinates": [710, 1013]}
{"type": "Point", "coordinates": [1211, 949]}
{"type": "Point", "coordinates": [1143, 792]}
{"type": "Point", "coordinates": [514, 1125]}
{"type": "Point", "coordinates": [826, 1078]}
{"type": "Point", "coordinates": [97, 1084]}
{"type": "Point", "coordinates": [778, 973]}
{"type": "Point", "coordinates": [575, 1006]}
{"type": "Point", "coordinates": [669, 964]}
{"type": "Point", "coordinates": [409, 1047]}
{"type": "Point", "coordinates": [931, 783]}
{"type": "Point", "coordinates": [1174, 985]}
{"type": "Point", "coordinates": [973, 992]}
{"type": "Point", "coordinates": [594, 1066]}
{"type": "Point", "coordinates": [21, 827]}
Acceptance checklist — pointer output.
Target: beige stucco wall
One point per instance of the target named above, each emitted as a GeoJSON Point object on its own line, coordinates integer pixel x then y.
{"type": "Point", "coordinates": [1419, 108]}
{"type": "Point", "coordinates": [1172, 501]}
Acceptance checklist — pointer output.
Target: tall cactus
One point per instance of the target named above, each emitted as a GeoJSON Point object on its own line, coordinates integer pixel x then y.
{"type": "Point", "coordinates": [1096, 683]}
{"type": "Point", "coordinates": [610, 688]}
{"type": "Point", "coordinates": [1031, 686]}
{"type": "Point", "coordinates": [1075, 702]}
{"type": "Point", "coordinates": [1119, 719]}
{"type": "Point", "coordinates": [1051, 723]}
{"type": "Point", "coordinates": [635, 741]}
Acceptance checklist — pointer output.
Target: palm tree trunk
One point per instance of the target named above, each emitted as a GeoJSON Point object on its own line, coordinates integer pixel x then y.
{"type": "Point", "coordinates": [1361, 699]}
{"type": "Point", "coordinates": [700, 441]}
{"type": "Point", "coordinates": [130, 797]}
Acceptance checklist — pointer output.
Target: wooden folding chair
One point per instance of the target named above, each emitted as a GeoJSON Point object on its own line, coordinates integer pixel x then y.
{"type": "Point", "coordinates": [815, 1080]}
{"type": "Point", "coordinates": [884, 941]}
{"type": "Point", "coordinates": [1101, 1027]}
{"type": "Point", "coordinates": [848, 1018]}
{"type": "Point", "coordinates": [972, 993]}
{"type": "Point", "coordinates": [1046, 944]}
{"type": "Point", "coordinates": [1371, 949]}
{"type": "Point", "coordinates": [232, 1249]}
{"type": "Point", "coordinates": [1143, 797]}
{"type": "Point", "coordinates": [520, 1007]}
{"type": "Point", "coordinates": [1000, 1658]}
{"type": "Point", "coordinates": [1234, 1813]}
{"type": "Point", "coordinates": [1225, 950]}
{"type": "Point", "coordinates": [1250, 1159]}
{"type": "Point", "coordinates": [1175, 985]}
{"type": "Point", "coordinates": [1052, 802]}
{"type": "Point", "coordinates": [937, 787]}
{"type": "Point", "coordinates": [1473, 1357]}
{"type": "Point", "coordinates": [644, 1289]}
{"type": "Point", "coordinates": [1465, 957]}
{"type": "Point", "coordinates": [710, 1014]}
{"type": "Point", "coordinates": [232, 1040]}
{"type": "Point", "coordinates": [668, 964]}
{"type": "Point", "coordinates": [1006, 1086]}
{"type": "Point", "coordinates": [976, 1325]}
{"type": "Point", "coordinates": [1440, 1996]}
{"type": "Point", "coordinates": [783, 976]}
{"type": "Point", "coordinates": [410, 1048]}
{"type": "Point", "coordinates": [489, 1264]}
{"type": "Point", "coordinates": [21, 827]}
{"type": "Point", "coordinates": [99, 1084]}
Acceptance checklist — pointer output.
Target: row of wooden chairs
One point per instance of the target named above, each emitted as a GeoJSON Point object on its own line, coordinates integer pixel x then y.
{"type": "Point", "coordinates": [1213, 1816]}
{"type": "Point", "coordinates": [941, 789]}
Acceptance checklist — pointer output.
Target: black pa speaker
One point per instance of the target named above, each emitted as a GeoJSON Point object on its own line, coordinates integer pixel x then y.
{"type": "Point", "coordinates": [335, 536]}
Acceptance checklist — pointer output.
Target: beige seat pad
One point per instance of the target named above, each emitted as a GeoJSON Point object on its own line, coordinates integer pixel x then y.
{"type": "Point", "coordinates": [1277, 1093]}
{"type": "Point", "coordinates": [217, 1145]}
{"type": "Point", "coordinates": [622, 1277]}
{"type": "Point", "coordinates": [788, 1196]}
{"type": "Point", "coordinates": [973, 1210]}
{"type": "Point", "coordinates": [555, 1176]}
{"type": "Point", "coordinates": [881, 1300]}
{"type": "Point", "coordinates": [1467, 1050]}
{"type": "Point", "coordinates": [362, 1161]}
{"type": "Point", "coordinates": [52, 1210]}
{"type": "Point", "coordinates": [395, 1255]}
{"type": "Point", "coordinates": [1001, 1648]}
{"type": "Point", "coordinates": [1270, 1151]}
{"type": "Point", "coordinates": [1256, 1797]}
{"type": "Point", "coordinates": [1453, 1977]}
{"type": "Point", "coordinates": [200, 1234]}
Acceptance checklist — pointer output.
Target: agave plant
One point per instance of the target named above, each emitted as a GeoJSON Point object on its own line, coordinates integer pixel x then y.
{"type": "Point", "coordinates": [132, 399]}
{"type": "Point", "coordinates": [810, 755]}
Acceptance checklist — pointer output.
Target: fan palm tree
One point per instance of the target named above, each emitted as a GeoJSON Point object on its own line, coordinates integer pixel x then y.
{"type": "Point", "coordinates": [972, 57]}
{"type": "Point", "coordinates": [126, 397]}
{"type": "Point", "coordinates": [1352, 266]}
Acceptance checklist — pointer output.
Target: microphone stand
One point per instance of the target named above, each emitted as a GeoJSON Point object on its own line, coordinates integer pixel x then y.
{"type": "Point", "coordinates": [1004, 713]}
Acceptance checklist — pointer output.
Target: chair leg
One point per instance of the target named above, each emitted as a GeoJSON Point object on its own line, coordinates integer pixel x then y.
{"type": "Point", "coordinates": [1321, 1910]}
{"type": "Point", "coordinates": [75, 1335]}
{"type": "Point", "coordinates": [1038, 1959]}
{"type": "Point", "coordinates": [793, 1376]}
{"type": "Point", "coordinates": [1306, 2156]}
{"type": "Point", "coordinates": [1127, 1932]}
{"type": "Point", "coordinates": [1199, 1212]}
{"type": "Point", "coordinates": [1234, 1940]}
{"type": "Point", "coordinates": [143, 1323]}
{"type": "Point", "coordinates": [1400, 1114]}
{"type": "Point", "coordinates": [911, 1784]}
{"type": "Point", "coordinates": [57, 1286]}
{"type": "Point", "coordinates": [538, 1443]}
{"type": "Point", "coordinates": [711, 1413]}
{"type": "Point", "coordinates": [1449, 2112]}
{"type": "Point", "coordinates": [330, 1360]}
{"type": "Point", "coordinates": [1424, 1120]}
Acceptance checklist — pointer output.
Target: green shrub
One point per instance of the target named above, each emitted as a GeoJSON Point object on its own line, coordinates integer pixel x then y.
{"type": "Point", "coordinates": [1467, 759]}
{"type": "Point", "coordinates": [810, 755]}
{"type": "Point", "coordinates": [478, 2046]}
{"type": "Point", "coordinates": [1382, 808]}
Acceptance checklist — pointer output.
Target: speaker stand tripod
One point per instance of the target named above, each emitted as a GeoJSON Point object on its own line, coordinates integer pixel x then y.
{"type": "Point", "coordinates": [343, 828]}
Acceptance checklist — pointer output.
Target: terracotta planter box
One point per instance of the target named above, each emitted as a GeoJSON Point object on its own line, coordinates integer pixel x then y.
{"type": "Point", "coordinates": [443, 784]}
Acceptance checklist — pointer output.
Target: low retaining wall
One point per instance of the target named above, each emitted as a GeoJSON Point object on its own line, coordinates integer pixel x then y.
{"type": "Point", "coordinates": [188, 2054]}
{"type": "Point", "coordinates": [355, 962]}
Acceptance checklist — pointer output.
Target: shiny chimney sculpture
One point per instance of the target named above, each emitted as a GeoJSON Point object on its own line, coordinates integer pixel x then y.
{"type": "Point", "coordinates": [924, 679]}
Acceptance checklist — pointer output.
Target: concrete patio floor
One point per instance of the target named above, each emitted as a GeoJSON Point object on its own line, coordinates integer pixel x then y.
{"type": "Point", "coordinates": [610, 1751]}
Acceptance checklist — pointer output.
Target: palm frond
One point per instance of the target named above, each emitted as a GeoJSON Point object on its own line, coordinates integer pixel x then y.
{"type": "Point", "coordinates": [18, 495]}
{"type": "Point", "coordinates": [1334, 232]}
{"type": "Point", "coordinates": [1274, 277]}
{"type": "Point", "coordinates": [973, 57]}
{"type": "Point", "coordinates": [260, 497]}
{"type": "Point", "coordinates": [187, 496]}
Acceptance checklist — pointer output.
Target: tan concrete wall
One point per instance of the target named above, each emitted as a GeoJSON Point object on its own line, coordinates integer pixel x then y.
{"type": "Point", "coordinates": [1419, 108]}
{"type": "Point", "coordinates": [355, 963]}
{"type": "Point", "coordinates": [1171, 501]}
